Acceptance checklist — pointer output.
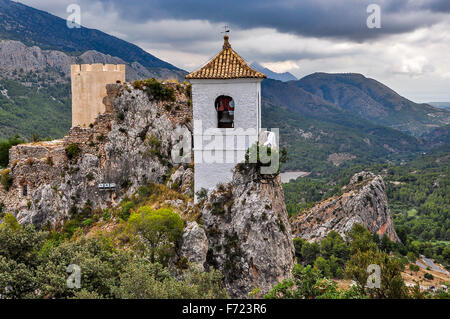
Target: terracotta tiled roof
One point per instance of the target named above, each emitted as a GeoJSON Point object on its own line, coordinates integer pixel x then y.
{"type": "Point", "coordinates": [226, 65]}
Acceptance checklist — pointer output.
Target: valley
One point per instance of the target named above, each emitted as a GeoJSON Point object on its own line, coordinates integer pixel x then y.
{"type": "Point", "coordinates": [366, 181]}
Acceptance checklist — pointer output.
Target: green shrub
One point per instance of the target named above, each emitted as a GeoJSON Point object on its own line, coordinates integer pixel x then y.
{"type": "Point", "coordinates": [126, 209]}
{"type": "Point", "coordinates": [143, 280]}
{"type": "Point", "coordinates": [124, 184]}
{"type": "Point", "coordinates": [144, 191]}
{"type": "Point", "coordinates": [414, 267]}
{"type": "Point", "coordinates": [202, 194]}
{"type": "Point", "coordinates": [428, 276]}
{"type": "Point", "coordinates": [156, 89]}
{"type": "Point", "coordinates": [263, 157]}
{"type": "Point", "coordinates": [72, 151]}
{"type": "Point", "coordinates": [33, 264]}
{"type": "Point", "coordinates": [6, 179]}
{"type": "Point", "coordinates": [71, 226]}
{"type": "Point", "coordinates": [5, 146]}
{"type": "Point", "coordinates": [106, 214]}
{"type": "Point", "coordinates": [101, 138]}
{"type": "Point", "coordinates": [188, 90]}
{"type": "Point", "coordinates": [159, 91]}
{"type": "Point", "coordinates": [154, 142]}
{"type": "Point", "coordinates": [302, 284]}
{"type": "Point", "coordinates": [88, 222]}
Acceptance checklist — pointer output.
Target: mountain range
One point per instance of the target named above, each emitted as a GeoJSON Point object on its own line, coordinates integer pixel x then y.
{"type": "Point", "coordinates": [38, 28]}
{"type": "Point", "coordinates": [443, 105]}
{"type": "Point", "coordinates": [374, 101]}
{"type": "Point", "coordinates": [326, 120]}
{"type": "Point", "coordinates": [285, 76]}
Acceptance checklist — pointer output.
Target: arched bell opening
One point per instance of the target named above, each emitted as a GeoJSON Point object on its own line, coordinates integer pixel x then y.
{"type": "Point", "coordinates": [225, 111]}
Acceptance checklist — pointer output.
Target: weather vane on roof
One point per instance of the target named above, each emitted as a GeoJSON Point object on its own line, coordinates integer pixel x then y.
{"type": "Point", "coordinates": [226, 30]}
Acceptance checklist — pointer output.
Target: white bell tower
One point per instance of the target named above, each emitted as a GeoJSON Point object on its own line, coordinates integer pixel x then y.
{"type": "Point", "coordinates": [226, 97]}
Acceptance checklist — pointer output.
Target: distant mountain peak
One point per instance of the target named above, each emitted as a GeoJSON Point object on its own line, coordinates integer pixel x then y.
{"type": "Point", "coordinates": [374, 101]}
{"type": "Point", "coordinates": [285, 76]}
{"type": "Point", "coordinates": [34, 27]}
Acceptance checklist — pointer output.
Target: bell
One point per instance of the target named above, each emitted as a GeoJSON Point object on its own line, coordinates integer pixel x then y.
{"type": "Point", "coordinates": [225, 118]}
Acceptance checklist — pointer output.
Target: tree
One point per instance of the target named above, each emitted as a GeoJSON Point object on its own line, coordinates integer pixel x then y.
{"type": "Point", "coordinates": [412, 257]}
{"type": "Point", "coordinates": [334, 245]}
{"type": "Point", "coordinates": [360, 239]}
{"type": "Point", "coordinates": [5, 147]}
{"type": "Point", "coordinates": [364, 253]}
{"type": "Point", "coordinates": [160, 229]}
{"type": "Point", "coordinates": [19, 247]}
{"type": "Point", "coordinates": [306, 283]}
{"type": "Point", "coordinates": [323, 266]}
{"type": "Point", "coordinates": [143, 280]}
{"type": "Point", "coordinates": [310, 251]}
{"type": "Point", "coordinates": [402, 234]}
{"type": "Point", "coordinates": [298, 244]}
{"type": "Point", "coordinates": [385, 244]}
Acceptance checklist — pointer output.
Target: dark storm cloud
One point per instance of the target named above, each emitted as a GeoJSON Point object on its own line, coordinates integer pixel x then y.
{"type": "Point", "coordinates": [440, 6]}
{"type": "Point", "coordinates": [314, 18]}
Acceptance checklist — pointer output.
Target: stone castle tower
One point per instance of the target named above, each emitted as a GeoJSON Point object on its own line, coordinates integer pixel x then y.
{"type": "Point", "coordinates": [89, 88]}
{"type": "Point", "coordinates": [226, 98]}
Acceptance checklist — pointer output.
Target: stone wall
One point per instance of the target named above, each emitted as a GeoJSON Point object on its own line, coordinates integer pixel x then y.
{"type": "Point", "coordinates": [89, 88]}
{"type": "Point", "coordinates": [130, 146]}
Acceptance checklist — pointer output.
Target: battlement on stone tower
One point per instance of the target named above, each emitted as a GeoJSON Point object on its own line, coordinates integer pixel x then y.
{"type": "Point", "coordinates": [98, 67]}
{"type": "Point", "coordinates": [89, 88]}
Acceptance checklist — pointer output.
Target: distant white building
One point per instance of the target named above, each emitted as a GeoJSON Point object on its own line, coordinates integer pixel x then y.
{"type": "Point", "coordinates": [226, 97]}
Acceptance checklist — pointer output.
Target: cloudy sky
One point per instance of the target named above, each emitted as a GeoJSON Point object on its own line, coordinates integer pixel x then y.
{"type": "Point", "coordinates": [410, 52]}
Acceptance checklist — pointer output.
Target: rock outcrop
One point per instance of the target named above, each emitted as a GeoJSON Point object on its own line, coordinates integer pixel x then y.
{"type": "Point", "coordinates": [130, 146]}
{"type": "Point", "coordinates": [243, 228]}
{"type": "Point", "coordinates": [248, 231]}
{"type": "Point", "coordinates": [363, 202]}
{"type": "Point", "coordinates": [14, 55]}
{"type": "Point", "coordinates": [194, 244]}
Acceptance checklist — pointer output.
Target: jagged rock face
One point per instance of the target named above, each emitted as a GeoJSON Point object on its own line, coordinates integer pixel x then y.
{"type": "Point", "coordinates": [130, 146]}
{"type": "Point", "coordinates": [194, 244]}
{"type": "Point", "coordinates": [249, 236]}
{"type": "Point", "coordinates": [14, 55]}
{"type": "Point", "coordinates": [364, 202]}
{"type": "Point", "coordinates": [183, 180]}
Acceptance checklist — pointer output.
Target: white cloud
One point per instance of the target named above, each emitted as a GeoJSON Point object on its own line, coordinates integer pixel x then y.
{"type": "Point", "coordinates": [282, 66]}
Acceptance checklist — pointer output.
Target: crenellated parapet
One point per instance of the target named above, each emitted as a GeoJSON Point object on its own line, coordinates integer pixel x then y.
{"type": "Point", "coordinates": [89, 89]}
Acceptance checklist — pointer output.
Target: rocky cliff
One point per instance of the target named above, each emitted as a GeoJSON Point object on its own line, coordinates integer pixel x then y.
{"type": "Point", "coordinates": [14, 55]}
{"type": "Point", "coordinates": [241, 228]}
{"type": "Point", "coordinates": [248, 236]}
{"type": "Point", "coordinates": [363, 202]}
{"type": "Point", "coordinates": [129, 146]}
